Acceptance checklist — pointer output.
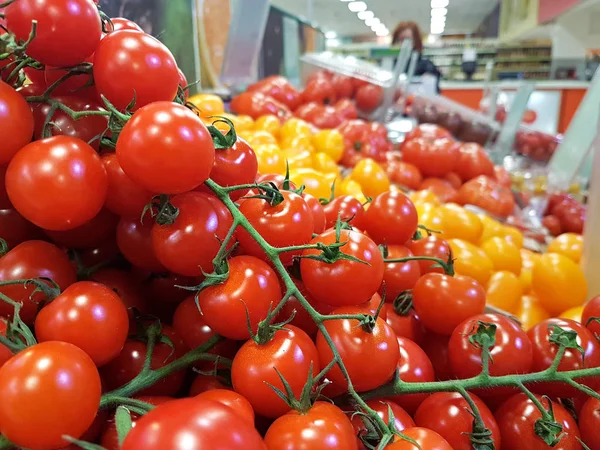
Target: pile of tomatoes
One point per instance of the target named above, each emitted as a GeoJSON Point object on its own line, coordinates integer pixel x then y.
{"type": "Point", "coordinates": [108, 203]}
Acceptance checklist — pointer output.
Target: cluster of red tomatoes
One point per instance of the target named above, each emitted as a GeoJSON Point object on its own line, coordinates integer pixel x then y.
{"type": "Point", "coordinates": [564, 214]}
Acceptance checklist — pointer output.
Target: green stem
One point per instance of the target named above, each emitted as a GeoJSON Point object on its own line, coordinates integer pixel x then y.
{"type": "Point", "coordinates": [448, 267]}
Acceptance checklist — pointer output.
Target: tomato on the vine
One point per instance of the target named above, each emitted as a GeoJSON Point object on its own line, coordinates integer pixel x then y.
{"type": "Point", "coordinates": [318, 213]}
{"type": "Point", "coordinates": [133, 74]}
{"type": "Point", "coordinates": [290, 354]}
{"type": "Point", "coordinates": [33, 259]}
{"type": "Point", "coordinates": [16, 123]}
{"type": "Point", "coordinates": [88, 315]}
{"type": "Point", "coordinates": [204, 383]}
{"type": "Point", "coordinates": [156, 153]}
{"type": "Point", "coordinates": [354, 344]}
{"type": "Point", "coordinates": [92, 233]}
{"type": "Point", "coordinates": [284, 224]}
{"type": "Point", "coordinates": [121, 282]}
{"type": "Point", "coordinates": [49, 390]}
{"type": "Point", "coordinates": [16, 229]}
{"type": "Point", "coordinates": [250, 291]}
{"type": "Point", "coordinates": [177, 423]}
{"type": "Point", "coordinates": [348, 209]}
{"type": "Point", "coordinates": [406, 325]}
{"type": "Point", "coordinates": [235, 401]}
{"type": "Point", "coordinates": [424, 437]}
{"type": "Point", "coordinates": [134, 238]}
{"type": "Point", "coordinates": [391, 219]}
{"type": "Point", "coordinates": [120, 23]}
{"type": "Point", "coordinates": [448, 414]}
{"type": "Point", "coordinates": [57, 183]}
{"type": "Point", "coordinates": [590, 317]}
{"type": "Point", "coordinates": [402, 419]}
{"type": "Point", "coordinates": [589, 421]}
{"type": "Point", "coordinates": [323, 427]}
{"type": "Point", "coordinates": [431, 246]}
{"type": "Point", "coordinates": [343, 282]}
{"type": "Point", "coordinates": [399, 277]}
{"type": "Point", "coordinates": [68, 31]}
{"type": "Point", "coordinates": [189, 245]}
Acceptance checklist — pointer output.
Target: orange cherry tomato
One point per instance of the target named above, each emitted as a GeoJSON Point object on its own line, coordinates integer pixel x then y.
{"type": "Point", "coordinates": [208, 104]}
{"type": "Point", "coordinates": [295, 127]}
{"type": "Point", "coordinates": [300, 142]}
{"type": "Point", "coordinates": [567, 244]}
{"type": "Point", "coordinates": [269, 123]}
{"type": "Point", "coordinates": [315, 183]}
{"type": "Point", "coordinates": [514, 235]}
{"type": "Point", "coordinates": [322, 162]}
{"type": "Point", "coordinates": [371, 177]}
{"type": "Point", "coordinates": [573, 313]}
{"type": "Point", "coordinates": [504, 291]}
{"type": "Point", "coordinates": [530, 312]}
{"type": "Point", "coordinates": [460, 223]}
{"type": "Point", "coordinates": [491, 228]}
{"type": "Point", "coordinates": [424, 197]}
{"type": "Point", "coordinates": [330, 142]}
{"type": "Point", "coordinates": [471, 261]}
{"type": "Point", "coordinates": [297, 158]}
{"type": "Point", "coordinates": [258, 138]}
{"type": "Point", "coordinates": [504, 254]}
{"type": "Point", "coordinates": [558, 282]}
{"type": "Point", "coordinates": [528, 259]}
{"type": "Point", "coordinates": [270, 159]}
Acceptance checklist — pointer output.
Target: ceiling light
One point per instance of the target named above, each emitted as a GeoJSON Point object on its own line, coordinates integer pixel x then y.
{"type": "Point", "coordinates": [357, 6]}
{"type": "Point", "coordinates": [438, 26]}
{"type": "Point", "coordinates": [439, 12]}
{"type": "Point", "coordinates": [379, 26]}
{"type": "Point", "coordinates": [438, 20]}
{"type": "Point", "coordinates": [382, 32]}
{"type": "Point", "coordinates": [331, 35]}
{"type": "Point", "coordinates": [371, 22]}
{"type": "Point", "coordinates": [439, 3]}
{"type": "Point", "coordinates": [365, 15]}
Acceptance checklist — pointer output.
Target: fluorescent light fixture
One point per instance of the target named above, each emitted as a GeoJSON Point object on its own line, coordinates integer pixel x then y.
{"type": "Point", "coordinates": [333, 42]}
{"type": "Point", "coordinates": [357, 6]}
{"type": "Point", "coordinates": [379, 26]}
{"type": "Point", "coordinates": [438, 21]}
{"type": "Point", "coordinates": [371, 22]}
{"type": "Point", "coordinates": [439, 12]}
{"type": "Point", "coordinates": [331, 35]}
{"type": "Point", "coordinates": [382, 32]}
{"type": "Point", "coordinates": [366, 15]}
{"type": "Point", "coordinates": [440, 3]}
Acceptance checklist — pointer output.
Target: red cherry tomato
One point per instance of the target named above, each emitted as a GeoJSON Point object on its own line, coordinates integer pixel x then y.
{"type": "Point", "coordinates": [402, 419]}
{"type": "Point", "coordinates": [134, 239]}
{"type": "Point", "coordinates": [472, 162]}
{"type": "Point", "coordinates": [589, 421]}
{"type": "Point", "coordinates": [406, 325]}
{"type": "Point", "coordinates": [319, 90]}
{"type": "Point", "coordinates": [441, 188]}
{"type": "Point", "coordinates": [120, 23]}
{"type": "Point", "coordinates": [424, 437]}
{"type": "Point", "coordinates": [90, 234]}
{"type": "Point", "coordinates": [16, 123]}
{"type": "Point", "coordinates": [591, 312]}
{"type": "Point", "coordinates": [369, 97]}
{"type": "Point", "coordinates": [16, 229]}
{"type": "Point", "coordinates": [348, 209]}
{"type": "Point", "coordinates": [391, 219]}
{"type": "Point", "coordinates": [433, 158]}
{"type": "Point", "coordinates": [488, 195]}
{"type": "Point", "coordinates": [256, 104]}
{"type": "Point", "coordinates": [399, 277]}
{"type": "Point", "coordinates": [431, 246]}
{"type": "Point", "coordinates": [232, 399]}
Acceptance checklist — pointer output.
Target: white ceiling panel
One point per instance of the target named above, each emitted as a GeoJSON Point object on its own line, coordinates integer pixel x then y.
{"type": "Point", "coordinates": [464, 16]}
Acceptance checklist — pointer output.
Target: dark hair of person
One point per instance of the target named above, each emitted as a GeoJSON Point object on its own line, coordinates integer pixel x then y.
{"type": "Point", "coordinates": [416, 32]}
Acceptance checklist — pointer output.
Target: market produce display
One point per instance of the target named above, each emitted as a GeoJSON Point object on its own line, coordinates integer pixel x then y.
{"type": "Point", "coordinates": [176, 276]}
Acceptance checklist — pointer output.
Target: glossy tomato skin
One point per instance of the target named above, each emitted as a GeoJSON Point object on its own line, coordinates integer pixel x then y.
{"type": "Point", "coordinates": [405, 174]}
{"type": "Point", "coordinates": [204, 383]}
{"type": "Point", "coordinates": [404, 325]}
{"type": "Point", "coordinates": [488, 195]}
{"type": "Point", "coordinates": [232, 399]}
{"type": "Point", "coordinates": [189, 245]}
{"type": "Point", "coordinates": [134, 239]}
{"type": "Point", "coordinates": [33, 259]}
{"type": "Point", "coordinates": [472, 162]}
{"type": "Point", "coordinates": [348, 209]}
{"type": "Point", "coordinates": [436, 348]}
{"type": "Point", "coordinates": [414, 366]}
{"type": "Point", "coordinates": [318, 213]}
{"type": "Point", "coordinates": [369, 97]}
{"type": "Point", "coordinates": [190, 325]}
{"type": "Point", "coordinates": [433, 158]}
{"type": "Point", "coordinates": [516, 419]}
{"type": "Point", "coordinates": [319, 90]}
{"type": "Point", "coordinates": [120, 23]}
{"type": "Point", "coordinates": [391, 219]}
{"type": "Point", "coordinates": [130, 361]}
{"type": "Point", "coordinates": [354, 345]}
{"type": "Point", "coordinates": [432, 246]}
{"type": "Point", "coordinates": [172, 425]}
{"type": "Point", "coordinates": [88, 315]}
{"type": "Point", "coordinates": [124, 196]}
{"type": "Point", "coordinates": [291, 352]}
{"type": "Point", "coordinates": [591, 311]}
{"type": "Point", "coordinates": [256, 104]}
{"type": "Point", "coordinates": [289, 223]}
{"type": "Point", "coordinates": [425, 437]}
{"type": "Point", "coordinates": [147, 79]}
{"type": "Point", "coordinates": [123, 285]}
{"type": "Point", "coordinates": [511, 354]}
{"type": "Point", "coordinates": [4, 201]}
{"type": "Point", "coordinates": [344, 282]}
{"type": "Point", "coordinates": [442, 301]}
{"type": "Point", "coordinates": [92, 233]}
{"type": "Point", "coordinates": [447, 413]}
{"type": "Point", "coordinates": [155, 154]}
{"type": "Point", "coordinates": [16, 123]}
{"type": "Point", "coordinates": [402, 419]}
{"type": "Point", "coordinates": [76, 85]}
{"type": "Point", "coordinates": [5, 352]}
{"type": "Point", "coordinates": [323, 427]}
{"type": "Point", "coordinates": [16, 229]}
{"type": "Point", "coordinates": [399, 277]}
{"type": "Point", "coordinates": [251, 280]}
{"type": "Point", "coordinates": [67, 31]}
{"type": "Point", "coordinates": [589, 421]}
{"type": "Point", "coordinates": [57, 183]}
{"type": "Point", "coordinates": [25, 407]}
{"type": "Point", "coordinates": [544, 352]}
{"type": "Point", "coordinates": [235, 165]}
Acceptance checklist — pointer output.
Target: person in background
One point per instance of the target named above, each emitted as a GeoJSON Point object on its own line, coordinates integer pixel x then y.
{"type": "Point", "coordinates": [410, 30]}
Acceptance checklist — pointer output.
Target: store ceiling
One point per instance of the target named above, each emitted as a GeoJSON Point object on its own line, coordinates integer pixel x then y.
{"type": "Point", "coordinates": [464, 16]}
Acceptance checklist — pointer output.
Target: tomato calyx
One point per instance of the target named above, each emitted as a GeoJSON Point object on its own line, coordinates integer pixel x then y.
{"type": "Point", "coordinates": [378, 436]}
{"type": "Point", "coordinates": [161, 210]}
{"type": "Point", "coordinates": [565, 339]}
{"type": "Point", "coordinates": [403, 303]}
{"type": "Point", "coordinates": [332, 253]}
{"type": "Point", "coordinates": [546, 427]}
{"type": "Point", "coordinates": [220, 140]}
{"type": "Point", "coordinates": [3, 247]}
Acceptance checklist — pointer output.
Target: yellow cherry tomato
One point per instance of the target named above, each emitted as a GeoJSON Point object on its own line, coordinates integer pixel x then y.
{"type": "Point", "coordinates": [431, 217]}
{"type": "Point", "coordinates": [371, 176]}
{"type": "Point", "coordinates": [268, 123]}
{"type": "Point", "coordinates": [504, 291]}
{"type": "Point", "coordinates": [504, 254]}
{"type": "Point", "coordinates": [330, 142]}
{"type": "Point", "coordinates": [491, 228]}
{"type": "Point", "coordinates": [297, 142]}
{"type": "Point", "coordinates": [573, 313]}
{"type": "Point", "coordinates": [208, 104]}
{"type": "Point", "coordinates": [471, 261]}
{"type": "Point", "coordinates": [295, 127]}
{"type": "Point", "coordinates": [558, 282]}
{"type": "Point", "coordinates": [531, 312]}
{"type": "Point", "coordinates": [298, 159]}
{"type": "Point", "coordinates": [270, 159]}
{"type": "Point", "coordinates": [242, 122]}
{"type": "Point", "coordinates": [514, 235]}
{"type": "Point", "coordinates": [324, 163]}
{"type": "Point", "coordinates": [315, 183]}
{"type": "Point", "coordinates": [424, 197]}
{"type": "Point", "coordinates": [567, 244]}
{"type": "Point", "coordinates": [528, 259]}
{"type": "Point", "coordinates": [258, 138]}
{"type": "Point", "coordinates": [350, 187]}
{"type": "Point", "coordinates": [460, 223]}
